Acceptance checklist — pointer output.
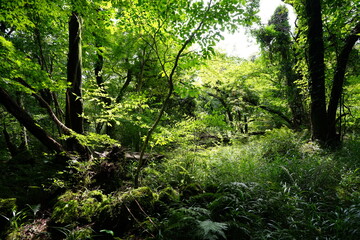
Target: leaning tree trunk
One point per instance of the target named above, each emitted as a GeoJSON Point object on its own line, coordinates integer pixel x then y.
{"type": "Point", "coordinates": [74, 104]}
{"type": "Point", "coordinates": [27, 121]}
{"type": "Point", "coordinates": [338, 81]}
{"type": "Point", "coordinates": [316, 71]}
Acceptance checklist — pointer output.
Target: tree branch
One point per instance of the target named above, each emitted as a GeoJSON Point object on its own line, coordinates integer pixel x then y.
{"type": "Point", "coordinates": [339, 76]}
{"type": "Point", "coordinates": [45, 105]}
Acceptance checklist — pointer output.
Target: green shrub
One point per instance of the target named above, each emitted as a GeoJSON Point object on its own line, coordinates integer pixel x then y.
{"type": "Point", "coordinates": [281, 143]}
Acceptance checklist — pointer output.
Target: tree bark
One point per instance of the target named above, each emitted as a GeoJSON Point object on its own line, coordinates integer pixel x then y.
{"type": "Point", "coordinates": [316, 71]}
{"type": "Point", "coordinates": [74, 104]}
{"type": "Point", "coordinates": [338, 81]}
{"type": "Point", "coordinates": [27, 121]}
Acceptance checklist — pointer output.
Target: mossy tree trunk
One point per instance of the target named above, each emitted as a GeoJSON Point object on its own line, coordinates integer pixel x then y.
{"type": "Point", "coordinates": [74, 104]}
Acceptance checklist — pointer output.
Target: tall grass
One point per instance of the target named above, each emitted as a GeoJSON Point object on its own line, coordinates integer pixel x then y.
{"type": "Point", "coordinates": [278, 186]}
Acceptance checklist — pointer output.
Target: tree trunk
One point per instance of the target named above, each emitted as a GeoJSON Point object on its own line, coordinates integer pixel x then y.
{"type": "Point", "coordinates": [74, 104]}
{"type": "Point", "coordinates": [292, 91]}
{"type": "Point", "coordinates": [338, 82]}
{"type": "Point", "coordinates": [316, 71]}
{"type": "Point", "coordinates": [27, 121]}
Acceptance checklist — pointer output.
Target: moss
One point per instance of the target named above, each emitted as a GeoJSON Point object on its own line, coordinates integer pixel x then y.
{"type": "Point", "coordinates": [139, 198]}
{"type": "Point", "coordinates": [191, 189]}
{"type": "Point", "coordinates": [169, 195]}
{"type": "Point", "coordinates": [128, 209]}
{"type": "Point", "coordinates": [80, 207]}
{"type": "Point", "coordinates": [7, 205]}
{"type": "Point", "coordinates": [138, 193]}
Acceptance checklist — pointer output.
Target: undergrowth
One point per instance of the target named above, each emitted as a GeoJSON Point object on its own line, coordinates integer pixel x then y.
{"type": "Point", "coordinates": [276, 186]}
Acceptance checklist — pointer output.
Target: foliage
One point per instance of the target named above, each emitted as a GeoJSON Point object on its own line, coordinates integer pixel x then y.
{"type": "Point", "coordinates": [78, 233]}
{"type": "Point", "coordinates": [18, 220]}
{"type": "Point", "coordinates": [192, 223]}
{"type": "Point", "coordinates": [94, 140]}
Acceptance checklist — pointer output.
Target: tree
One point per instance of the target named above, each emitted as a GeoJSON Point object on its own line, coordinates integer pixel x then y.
{"type": "Point", "coordinates": [330, 38]}
{"type": "Point", "coordinates": [324, 122]}
{"type": "Point", "coordinates": [186, 23]}
{"type": "Point", "coordinates": [152, 43]}
{"type": "Point", "coordinates": [26, 120]}
{"type": "Point", "coordinates": [30, 71]}
{"type": "Point", "coordinates": [248, 95]}
{"type": "Point", "coordinates": [277, 47]}
{"type": "Point", "coordinates": [319, 121]}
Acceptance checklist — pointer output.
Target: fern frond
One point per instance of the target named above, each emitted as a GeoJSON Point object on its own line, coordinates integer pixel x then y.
{"type": "Point", "coordinates": [210, 230]}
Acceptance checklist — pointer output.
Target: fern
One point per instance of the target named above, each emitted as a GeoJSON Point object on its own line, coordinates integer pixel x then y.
{"type": "Point", "coordinates": [209, 230]}
{"type": "Point", "coordinates": [193, 223]}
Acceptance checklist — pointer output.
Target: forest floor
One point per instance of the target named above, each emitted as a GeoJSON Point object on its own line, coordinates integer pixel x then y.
{"type": "Point", "coordinates": [276, 186]}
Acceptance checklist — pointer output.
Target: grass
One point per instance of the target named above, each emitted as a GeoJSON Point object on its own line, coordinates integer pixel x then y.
{"type": "Point", "coordinates": [279, 186]}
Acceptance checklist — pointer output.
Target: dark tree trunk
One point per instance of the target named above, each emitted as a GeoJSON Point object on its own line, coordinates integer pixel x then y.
{"type": "Point", "coordinates": [338, 82]}
{"type": "Point", "coordinates": [27, 121]}
{"type": "Point", "coordinates": [74, 105]}
{"type": "Point", "coordinates": [125, 86]}
{"type": "Point", "coordinates": [316, 71]}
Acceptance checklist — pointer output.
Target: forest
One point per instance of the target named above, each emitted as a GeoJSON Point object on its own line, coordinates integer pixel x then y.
{"type": "Point", "coordinates": [120, 119]}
